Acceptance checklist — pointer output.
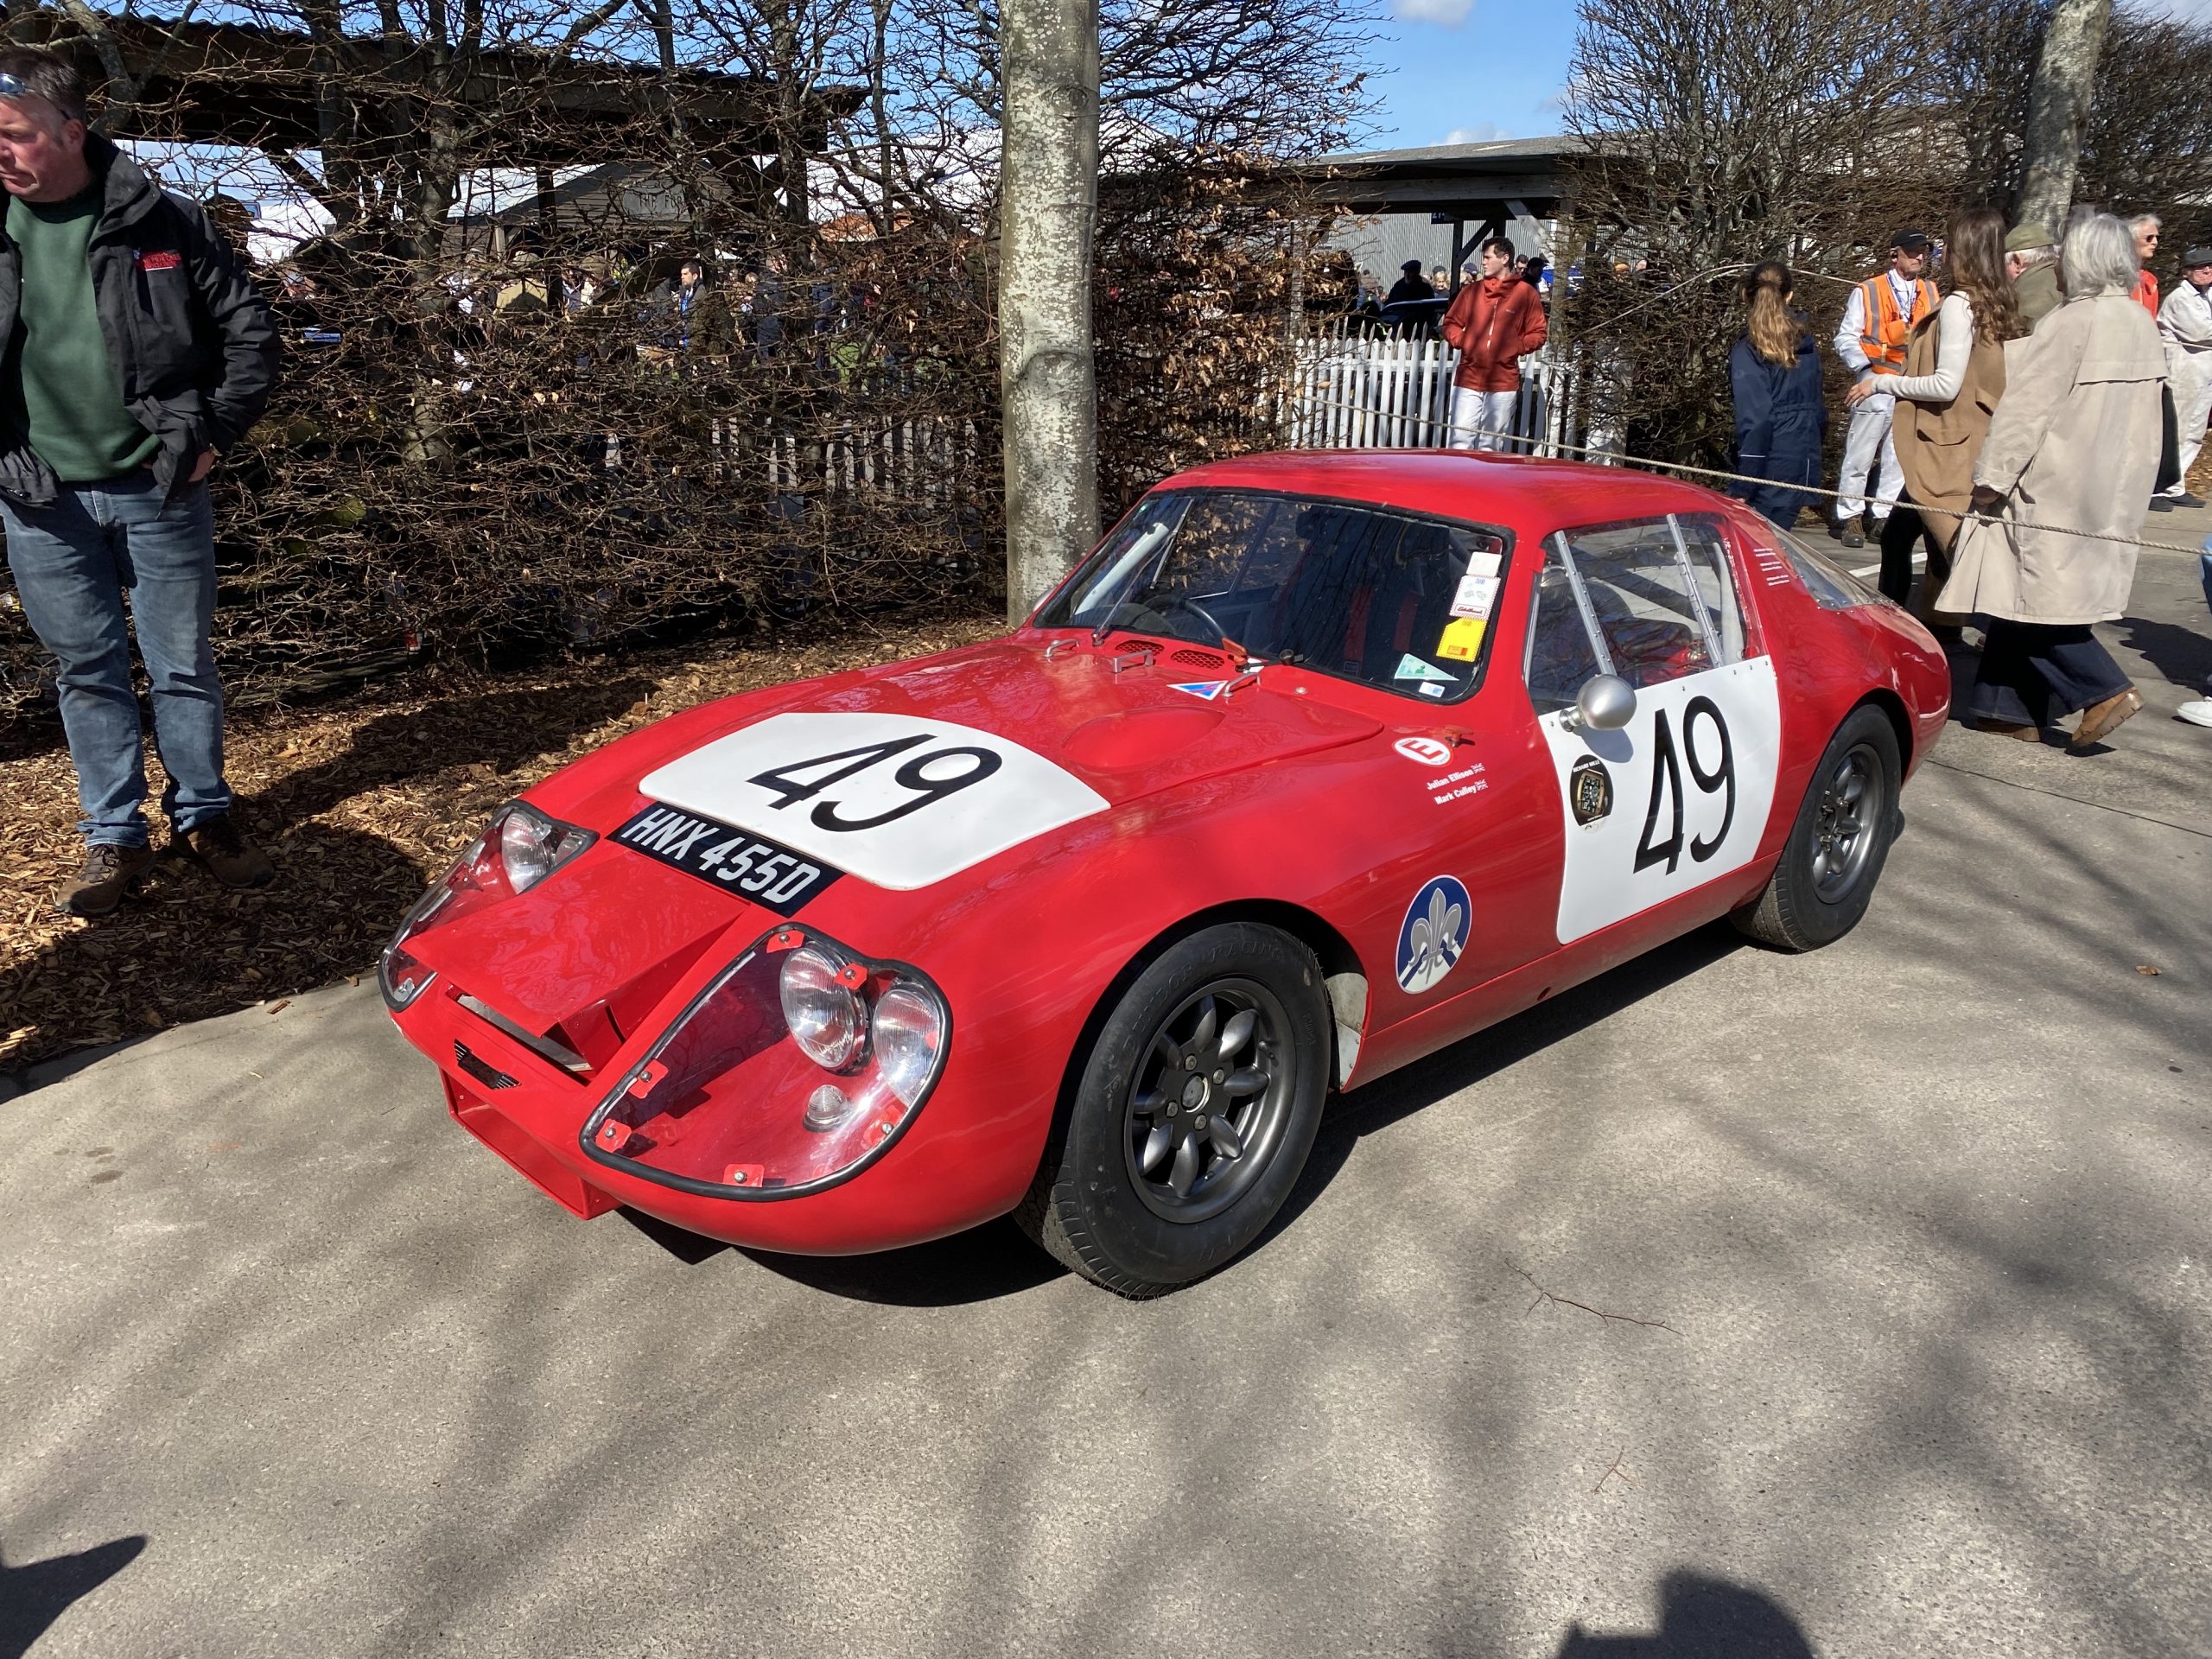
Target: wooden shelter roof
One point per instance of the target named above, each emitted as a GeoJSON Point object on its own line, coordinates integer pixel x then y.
{"type": "Point", "coordinates": [248, 85]}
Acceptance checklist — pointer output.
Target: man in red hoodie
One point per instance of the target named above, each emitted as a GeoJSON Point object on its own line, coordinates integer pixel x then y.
{"type": "Point", "coordinates": [1493, 323]}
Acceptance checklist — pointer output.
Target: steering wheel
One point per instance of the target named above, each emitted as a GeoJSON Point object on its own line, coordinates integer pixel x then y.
{"type": "Point", "coordinates": [1160, 604]}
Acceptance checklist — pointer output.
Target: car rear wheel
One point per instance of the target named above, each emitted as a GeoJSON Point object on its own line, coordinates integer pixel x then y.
{"type": "Point", "coordinates": [1836, 848]}
{"type": "Point", "coordinates": [1194, 1113]}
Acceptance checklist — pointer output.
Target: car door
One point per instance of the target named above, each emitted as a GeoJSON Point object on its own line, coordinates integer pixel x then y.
{"type": "Point", "coordinates": [1679, 796]}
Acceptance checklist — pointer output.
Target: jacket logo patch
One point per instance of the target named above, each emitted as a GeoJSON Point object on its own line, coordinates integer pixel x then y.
{"type": "Point", "coordinates": [160, 259]}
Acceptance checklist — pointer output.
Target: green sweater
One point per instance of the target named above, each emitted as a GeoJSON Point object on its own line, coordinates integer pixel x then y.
{"type": "Point", "coordinates": [57, 387]}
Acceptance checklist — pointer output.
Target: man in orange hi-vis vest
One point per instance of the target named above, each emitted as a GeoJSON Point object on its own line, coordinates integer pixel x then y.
{"type": "Point", "coordinates": [1877, 321]}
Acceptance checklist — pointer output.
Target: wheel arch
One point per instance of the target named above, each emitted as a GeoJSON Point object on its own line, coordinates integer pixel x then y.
{"type": "Point", "coordinates": [1900, 718]}
{"type": "Point", "coordinates": [1343, 979]}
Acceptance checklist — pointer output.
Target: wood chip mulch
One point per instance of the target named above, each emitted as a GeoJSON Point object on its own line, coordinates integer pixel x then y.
{"type": "Point", "coordinates": [361, 804]}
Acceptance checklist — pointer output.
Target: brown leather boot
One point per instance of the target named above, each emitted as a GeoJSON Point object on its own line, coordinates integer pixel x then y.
{"type": "Point", "coordinates": [2099, 719]}
{"type": "Point", "coordinates": [228, 855]}
{"type": "Point", "coordinates": [109, 872]}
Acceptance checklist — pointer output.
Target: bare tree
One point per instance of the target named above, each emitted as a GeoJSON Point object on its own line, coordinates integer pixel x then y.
{"type": "Point", "coordinates": [1047, 217]}
{"type": "Point", "coordinates": [2060, 99]}
{"type": "Point", "coordinates": [1717, 133]}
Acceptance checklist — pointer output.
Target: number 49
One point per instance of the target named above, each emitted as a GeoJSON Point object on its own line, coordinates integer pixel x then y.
{"type": "Point", "coordinates": [1666, 786]}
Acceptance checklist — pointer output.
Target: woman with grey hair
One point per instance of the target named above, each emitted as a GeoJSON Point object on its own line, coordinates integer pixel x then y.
{"type": "Point", "coordinates": [2073, 447]}
{"type": "Point", "coordinates": [2144, 228]}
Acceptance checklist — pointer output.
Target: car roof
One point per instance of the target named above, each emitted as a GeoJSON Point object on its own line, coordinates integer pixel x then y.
{"type": "Point", "coordinates": [1512, 490]}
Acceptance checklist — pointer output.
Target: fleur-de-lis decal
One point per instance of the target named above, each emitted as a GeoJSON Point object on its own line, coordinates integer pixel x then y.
{"type": "Point", "coordinates": [1435, 942]}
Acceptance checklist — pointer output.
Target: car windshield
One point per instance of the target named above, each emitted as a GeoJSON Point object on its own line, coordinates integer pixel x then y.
{"type": "Point", "coordinates": [1390, 598]}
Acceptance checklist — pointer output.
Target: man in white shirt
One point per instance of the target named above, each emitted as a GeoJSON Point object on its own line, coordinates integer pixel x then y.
{"type": "Point", "coordinates": [1877, 320]}
{"type": "Point", "coordinates": [2185, 325]}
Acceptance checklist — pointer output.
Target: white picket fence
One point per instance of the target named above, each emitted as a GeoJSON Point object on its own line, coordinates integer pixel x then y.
{"type": "Point", "coordinates": [1395, 392]}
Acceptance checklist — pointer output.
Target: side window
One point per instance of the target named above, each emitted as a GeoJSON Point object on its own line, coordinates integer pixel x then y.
{"type": "Point", "coordinates": [1561, 657]}
{"type": "Point", "coordinates": [1706, 547]}
{"type": "Point", "coordinates": [1651, 601]}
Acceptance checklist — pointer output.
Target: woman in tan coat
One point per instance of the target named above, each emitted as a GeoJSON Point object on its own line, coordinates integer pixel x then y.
{"type": "Point", "coordinates": [2073, 444]}
{"type": "Point", "coordinates": [1954, 375]}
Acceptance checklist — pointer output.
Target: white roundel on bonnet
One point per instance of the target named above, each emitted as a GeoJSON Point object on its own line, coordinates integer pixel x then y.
{"type": "Point", "coordinates": [894, 799]}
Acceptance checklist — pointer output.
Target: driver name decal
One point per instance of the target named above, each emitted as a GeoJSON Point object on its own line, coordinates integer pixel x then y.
{"type": "Point", "coordinates": [897, 800]}
{"type": "Point", "coordinates": [1433, 933]}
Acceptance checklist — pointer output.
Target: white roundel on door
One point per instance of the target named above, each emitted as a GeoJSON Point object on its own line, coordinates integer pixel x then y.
{"type": "Point", "coordinates": [894, 799]}
{"type": "Point", "coordinates": [1674, 799]}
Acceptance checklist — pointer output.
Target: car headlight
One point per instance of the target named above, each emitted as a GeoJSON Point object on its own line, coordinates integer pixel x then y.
{"type": "Point", "coordinates": [517, 850]}
{"type": "Point", "coordinates": [794, 1070]}
{"type": "Point", "coordinates": [908, 1032]}
{"type": "Point", "coordinates": [533, 846]}
{"type": "Point", "coordinates": [822, 1009]}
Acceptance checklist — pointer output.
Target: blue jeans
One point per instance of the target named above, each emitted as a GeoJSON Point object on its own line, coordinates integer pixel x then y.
{"type": "Point", "coordinates": [73, 561]}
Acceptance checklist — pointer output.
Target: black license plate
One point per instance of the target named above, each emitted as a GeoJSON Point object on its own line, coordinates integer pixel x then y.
{"type": "Point", "coordinates": [750, 865]}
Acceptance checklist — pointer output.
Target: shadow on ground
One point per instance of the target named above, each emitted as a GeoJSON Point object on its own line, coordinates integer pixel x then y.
{"type": "Point", "coordinates": [34, 1596]}
{"type": "Point", "coordinates": [1701, 1618]}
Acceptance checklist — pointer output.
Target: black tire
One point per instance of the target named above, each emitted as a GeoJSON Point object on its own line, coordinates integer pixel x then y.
{"type": "Point", "coordinates": [1247, 1112]}
{"type": "Point", "coordinates": [1836, 849]}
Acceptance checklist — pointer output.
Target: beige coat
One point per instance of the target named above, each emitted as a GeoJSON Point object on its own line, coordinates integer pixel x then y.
{"type": "Point", "coordinates": [2075, 442]}
{"type": "Point", "coordinates": [1938, 444]}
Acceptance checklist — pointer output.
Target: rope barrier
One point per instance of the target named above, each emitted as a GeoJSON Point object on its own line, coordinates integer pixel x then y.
{"type": "Point", "coordinates": [1432, 422]}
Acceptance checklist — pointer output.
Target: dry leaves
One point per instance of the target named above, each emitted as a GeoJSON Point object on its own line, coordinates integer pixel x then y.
{"type": "Point", "coordinates": [360, 803]}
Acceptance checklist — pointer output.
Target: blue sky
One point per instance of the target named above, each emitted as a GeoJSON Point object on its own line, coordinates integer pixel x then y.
{"type": "Point", "coordinates": [1461, 71]}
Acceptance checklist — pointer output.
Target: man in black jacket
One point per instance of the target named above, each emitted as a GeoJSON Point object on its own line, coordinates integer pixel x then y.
{"type": "Point", "coordinates": [137, 350]}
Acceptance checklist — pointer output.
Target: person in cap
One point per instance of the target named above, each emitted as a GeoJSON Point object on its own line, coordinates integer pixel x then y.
{"type": "Point", "coordinates": [2031, 261]}
{"type": "Point", "coordinates": [1411, 285]}
{"type": "Point", "coordinates": [137, 350]}
{"type": "Point", "coordinates": [1877, 320]}
{"type": "Point", "coordinates": [2185, 328]}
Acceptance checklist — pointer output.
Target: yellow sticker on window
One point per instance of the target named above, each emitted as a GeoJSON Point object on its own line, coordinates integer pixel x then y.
{"type": "Point", "coordinates": [1461, 640]}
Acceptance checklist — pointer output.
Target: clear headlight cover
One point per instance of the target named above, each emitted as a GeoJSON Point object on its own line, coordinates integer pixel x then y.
{"type": "Point", "coordinates": [517, 850]}
{"type": "Point", "coordinates": [533, 846]}
{"type": "Point", "coordinates": [797, 1067]}
{"type": "Point", "coordinates": [908, 1034]}
{"type": "Point", "coordinates": [825, 1013]}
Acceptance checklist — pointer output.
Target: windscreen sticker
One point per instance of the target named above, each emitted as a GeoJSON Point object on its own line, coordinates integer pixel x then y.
{"type": "Point", "coordinates": [894, 799]}
{"type": "Point", "coordinates": [1411, 667]}
{"type": "Point", "coordinates": [1483, 564]}
{"type": "Point", "coordinates": [1476, 596]}
{"type": "Point", "coordinates": [1427, 690]}
{"type": "Point", "coordinates": [1462, 638]}
{"type": "Point", "coordinates": [1433, 933]}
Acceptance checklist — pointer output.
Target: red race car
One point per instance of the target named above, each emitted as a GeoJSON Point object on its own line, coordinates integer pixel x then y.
{"type": "Point", "coordinates": [1319, 763]}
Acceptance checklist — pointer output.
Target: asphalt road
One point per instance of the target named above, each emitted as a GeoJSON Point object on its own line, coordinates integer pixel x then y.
{"type": "Point", "coordinates": [1853, 1304]}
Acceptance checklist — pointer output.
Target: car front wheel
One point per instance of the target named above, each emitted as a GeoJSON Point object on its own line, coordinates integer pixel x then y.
{"type": "Point", "coordinates": [1826, 878]}
{"type": "Point", "coordinates": [1193, 1115]}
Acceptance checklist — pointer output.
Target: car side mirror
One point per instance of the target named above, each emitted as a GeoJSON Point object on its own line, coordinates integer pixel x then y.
{"type": "Point", "coordinates": [1605, 704]}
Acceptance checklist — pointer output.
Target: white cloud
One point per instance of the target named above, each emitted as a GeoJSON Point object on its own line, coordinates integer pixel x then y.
{"type": "Point", "coordinates": [1483, 133]}
{"type": "Point", "coordinates": [1449, 13]}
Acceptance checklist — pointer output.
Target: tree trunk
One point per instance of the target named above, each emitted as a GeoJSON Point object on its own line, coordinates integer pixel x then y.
{"type": "Point", "coordinates": [1048, 378]}
{"type": "Point", "coordinates": [2058, 110]}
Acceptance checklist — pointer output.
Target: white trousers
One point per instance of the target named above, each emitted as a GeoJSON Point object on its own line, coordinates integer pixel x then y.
{"type": "Point", "coordinates": [2191, 376]}
{"type": "Point", "coordinates": [1868, 441]}
{"type": "Point", "coordinates": [1482, 420]}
